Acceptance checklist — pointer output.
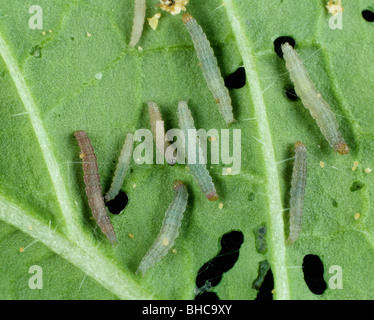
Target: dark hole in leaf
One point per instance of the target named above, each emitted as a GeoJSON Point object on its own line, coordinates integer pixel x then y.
{"type": "Point", "coordinates": [236, 80]}
{"type": "Point", "coordinates": [72, 38]}
{"type": "Point", "coordinates": [357, 185]}
{"type": "Point", "coordinates": [213, 270]}
{"type": "Point", "coordinates": [119, 203]}
{"type": "Point", "coordinates": [207, 296]}
{"type": "Point", "coordinates": [313, 274]}
{"type": "Point", "coordinates": [266, 288]}
{"type": "Point", "coordinates": [368, 15]}
{"type": "Point", "coordinates": [279, 41]}
{"type": "Point", "coordinates": [291, 94]}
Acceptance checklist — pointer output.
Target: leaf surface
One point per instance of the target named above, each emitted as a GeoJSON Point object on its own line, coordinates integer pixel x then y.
{"type": "Point", "coordinates": [78, 73]}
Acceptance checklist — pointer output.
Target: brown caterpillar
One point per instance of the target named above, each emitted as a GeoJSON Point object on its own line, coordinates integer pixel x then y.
{"type": "Point", "coordinates": [93, 186]}
{"type": "Point", "coordinates": [298, 185]}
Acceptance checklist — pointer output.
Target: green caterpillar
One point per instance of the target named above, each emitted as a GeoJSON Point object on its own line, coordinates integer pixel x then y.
{"type": "Point", "coordinates": [312, 100]}
{"type": "Point", "coordinates": [210, 68]}
{"type": "Point", "coordinates": [169, 230]}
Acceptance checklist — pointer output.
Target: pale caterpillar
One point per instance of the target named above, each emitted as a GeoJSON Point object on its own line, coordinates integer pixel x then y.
{"type": "Point", "coordinates": [210, 68]}
{"type": "Point", "coordinates": [198, 170]}
{"type": "Point", "coordinates": [162, 146]}
{"type": "Point", "coordinates": [312, 100]}
{"type": "Point", "coordinates": [122, 167]}
{"type": "Point", "coordinates": [169, 230]}
{"type": "Point", "coordinates": [93, 186]}
{"type": "Point", "coordinates": [298, 184]}
{"type": "Point", "coordinates": [137, 28]}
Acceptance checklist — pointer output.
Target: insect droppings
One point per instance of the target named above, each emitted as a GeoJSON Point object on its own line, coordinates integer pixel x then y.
{"type": "Point", "coordinates": [198, 170]}
{"type": "Point", "coordinates": [93, 186]}
{"type": "Point", "coordinates": [169, 230]}
{"type": "Point", "coordinates": [355, 165]}
{"type": "Point", "coordinates": [122, 167]}
{"type": "Point", "coordinates": [209, 65]}
{"type": "Point", "coordinates": [298, 184]}
{"type": "Point", "coordinates": [312, 99]}
{"type": "Point", "coordinates": [153, 22]}
{"type": "Point", "coordinates": [334, 7]}
{"type": "Point", "coordinates": [260, 239]}
{"type": "Point", "coordinates": [263, 268]}
{"type": "Point", "coordinates": [173, 6]}
{"type": "Point", "coordinates": [137, 27]}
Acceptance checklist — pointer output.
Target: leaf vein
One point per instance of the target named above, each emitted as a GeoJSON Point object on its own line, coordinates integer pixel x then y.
{"type": "Point", "coordinates": [276, 226]}
{"type": "Point", "coordinates": [51, 162]}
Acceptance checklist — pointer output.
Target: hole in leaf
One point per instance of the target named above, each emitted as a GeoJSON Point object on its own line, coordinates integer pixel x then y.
{"type": "Point", "coordinates": [313, 274]}
{"type": "Point", "coordinates": [119, 203]}
{"type": "Point", "coordinates": [72, 38]}
{"type": "Point", "coordinates": [236, 80]}
{"type": "Point", "coordinates": [368, 15]}
{"type": "Point", "coordinates": [357, 185]}
{"type": "Point", "coordinates": [291, 94]}
{"type": "Point", "coordinates": [279, 41]}
{"type": "Point", "coordinates": [266, 287]}
{"type": "Point", "coordinates": [213, 270]}
{"type": "Point", "coordinates": [207, 296]}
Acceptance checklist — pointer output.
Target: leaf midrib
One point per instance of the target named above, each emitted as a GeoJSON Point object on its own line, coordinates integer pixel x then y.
{"type": "Point", "coordinates": [75, 248]}
{"type": "Point", "coordinates": [276, 226]}
{"type": "Point", "coordinates": [88, 259]}
{"type": "Point", "coordinates": [65, 204]}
